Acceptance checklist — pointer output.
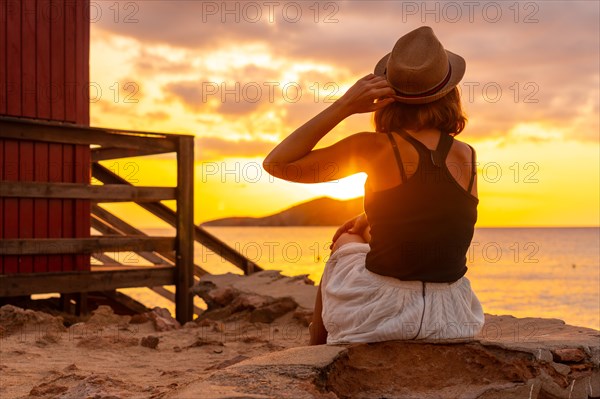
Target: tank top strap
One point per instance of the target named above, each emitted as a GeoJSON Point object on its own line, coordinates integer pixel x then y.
{"type": "Point", "coordinates": [398, 158]}
{"type": "Point", "coordinates": [438, 156]}
{"type": "Point", "coordinates": [420, 147]}
{"type": "Point", "coordinates": [473, 169]}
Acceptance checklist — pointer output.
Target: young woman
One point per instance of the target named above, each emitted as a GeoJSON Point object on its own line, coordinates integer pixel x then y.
{"type": "Point", "coordinates": [396, 271]}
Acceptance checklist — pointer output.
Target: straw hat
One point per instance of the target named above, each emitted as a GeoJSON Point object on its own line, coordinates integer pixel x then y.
{"type": "Point", "coordinates": [420, 69]}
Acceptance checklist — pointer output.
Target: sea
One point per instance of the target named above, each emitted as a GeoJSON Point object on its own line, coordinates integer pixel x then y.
{"type": "Point", "coordinates": [524, 272]}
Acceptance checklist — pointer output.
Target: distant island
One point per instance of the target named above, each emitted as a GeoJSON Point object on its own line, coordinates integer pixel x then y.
{"type": "Point", "coordinates": [322, 211]}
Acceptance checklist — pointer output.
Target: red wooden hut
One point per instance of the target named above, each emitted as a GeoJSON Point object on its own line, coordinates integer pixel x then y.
{"type": "Point", "coordinates": [44, 63]}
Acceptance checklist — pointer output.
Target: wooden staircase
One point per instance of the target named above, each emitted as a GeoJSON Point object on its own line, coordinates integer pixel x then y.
{"type": "Point", "coordinates": [171, 259]}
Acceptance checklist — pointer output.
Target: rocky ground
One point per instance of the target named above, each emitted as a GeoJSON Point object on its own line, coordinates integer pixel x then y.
{"type": "Point", "coordinates": [252, 343]}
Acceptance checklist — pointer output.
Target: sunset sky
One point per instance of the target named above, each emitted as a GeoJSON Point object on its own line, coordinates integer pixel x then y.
{"type": "Point", "coordinates": [240, 76]}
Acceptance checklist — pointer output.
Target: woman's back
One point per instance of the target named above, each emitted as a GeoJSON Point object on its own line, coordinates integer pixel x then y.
{"type": "Point", "coordinates": [422, 221]}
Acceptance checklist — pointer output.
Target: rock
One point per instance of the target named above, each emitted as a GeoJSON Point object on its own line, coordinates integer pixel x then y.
{"type": "Point", "coordinates": [201, 341]}
{"type": "Point", "coordinates": [302, 279]}
{"type": "Point", "coordinates": [202, 289]}
{"type": "Point", "coordinates": [267, 283]}
{"type": "Point", "coordinates": [104, 316]}
{"type": "Point", "coordinates": [255, 308]}
{"type": "Point", "coordinates": [228, 362]}
{"type": "Point", "coordinates": [190, 324]}
{"type": "Point", "coordinates": [492, 366]}
{"type": "Point", "coordinates": [71, 367]}
{"type": "Point", "coordinates": [303, 315]}
{"type": "Point", "coordinates": [250, 301]}
{"type": "Point", "coordinates": [259, 298]}
{"type": "Point", "coordinates": [163, 321]}
{"type": "Point", "coordinates": [273, 310]}
{"type": "Point", "coordinates": [47, 339]}
{"type": "Point", "coordinates": [99, 342]}
{"type": "Point", "coordinates": [28, 322]}
{"type": "Point", "coordinates": [223, 295]}
{"type": "Point", "coordinates": [85, 384]}
{"type": "Point", "coordinates": [139, 318]}
{"type": "Point", "coordinates": [150, 341]}
{"type": "Point", "coordinates": [561, 368]}
{"type": "Point", "coordinates": [569, 355]}
{"type": "Point", "coordinates": [217, 314]}
{"type": "Point", "coordinates": [48, 390]}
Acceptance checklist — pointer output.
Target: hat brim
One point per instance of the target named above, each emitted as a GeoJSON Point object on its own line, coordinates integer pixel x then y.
{"type": "Point", "coordinates": [457, 64]}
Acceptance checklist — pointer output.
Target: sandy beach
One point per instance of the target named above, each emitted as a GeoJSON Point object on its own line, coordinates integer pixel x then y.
{"type": "Point", "coordinates": [252, 344]}
{"type": "Point", "coordinates": [105, 356]}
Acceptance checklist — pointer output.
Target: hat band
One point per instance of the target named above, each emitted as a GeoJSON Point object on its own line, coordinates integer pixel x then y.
{"type": "Point", "coordinates": [430, 91]}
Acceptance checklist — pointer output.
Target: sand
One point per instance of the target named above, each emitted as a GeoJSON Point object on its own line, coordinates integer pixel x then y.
{"type": "Point", "coordinates": [228, 354]}
{"type": "Point", "coordinates": [104, 358]}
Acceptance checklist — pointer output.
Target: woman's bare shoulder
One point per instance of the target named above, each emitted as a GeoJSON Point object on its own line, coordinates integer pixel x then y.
{"type": "Point", "coordinates": [368, 140]}
{"type": "Point", "coordinates": [463, 149]}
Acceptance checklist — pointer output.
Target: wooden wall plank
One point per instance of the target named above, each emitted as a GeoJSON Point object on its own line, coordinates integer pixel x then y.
{"type": "Point", "coordinates": [67, 204]}
{"type": "Point", "coordinates": [13, 57]}
{"type": "Point", "coordinates": [40, 205]}
{"type": "Point", "coordinates": [82, 108]}
{"type": "Point", "coordinates": [82, 207]}
{"type": "Point", "coordinates": [1, 199]}
{"type": "Point", "coordinates": [83, 282]}
{"type": "Point", "coordinates": [53, 133]}
{"type": "Point", "coordinates": [25, 204]}
{"type": "Point", "coordinates": [70, 57]}
{"type": "Point", "coordinates": [29, 109]}
{"type": "Point", "coordinates": [57, 59]}
{"type": "Point", "coordinates": [82, 61]}
{"type": "Point", "coordinates": [11, 205]}
{"type": "Point", "coordinates": [55, 161]}
{"type": "Point", "coordinates": [28, 59]}
{"type": "Point", "coordinates": [3, 33]}
{"type": "Point", "coordinates": [99, 193]}
{"type": "Point", "coordinates": [88, 245]}
{"type": "Point", "coordinates": [3, 89]}
{"type": "Point", "coordinates": [41, 162]}
{"type": "Point", "coordinates": [43, 58]}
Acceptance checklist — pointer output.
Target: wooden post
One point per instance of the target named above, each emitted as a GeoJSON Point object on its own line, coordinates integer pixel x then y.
{"type": "Point", "coordinates": [185, 230]}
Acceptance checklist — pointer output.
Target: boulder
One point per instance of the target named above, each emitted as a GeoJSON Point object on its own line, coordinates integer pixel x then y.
{"type": "Point", "coordinates": [104, 316]}
{"type": "Point", "coordinates": [261, 297]}
{"type": "Point", "coordinates": [28, 322]}
{"type": "Point", "coordinates": [150, 341]}
{"type": "Point", "coordinates": [162, 319]}
{"type": "Point", "coordinates": [271, 311]}
{"type": "Point", "coordinates": [557, 361]}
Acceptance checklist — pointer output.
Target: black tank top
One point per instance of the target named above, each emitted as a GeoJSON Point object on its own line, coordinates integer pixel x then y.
{"type": "Point", "coordinates": [422, 228]}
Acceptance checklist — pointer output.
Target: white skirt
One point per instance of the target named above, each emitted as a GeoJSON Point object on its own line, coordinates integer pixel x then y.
{"type": "Point", "coordinates": [362, 306]}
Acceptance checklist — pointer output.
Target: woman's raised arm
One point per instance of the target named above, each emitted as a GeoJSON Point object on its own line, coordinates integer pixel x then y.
{"type": "Point", "coordinates": [296, 151]}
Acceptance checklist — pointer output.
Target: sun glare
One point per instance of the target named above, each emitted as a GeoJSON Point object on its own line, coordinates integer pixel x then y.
{"type": "Point", "coordinates": [343, 189]}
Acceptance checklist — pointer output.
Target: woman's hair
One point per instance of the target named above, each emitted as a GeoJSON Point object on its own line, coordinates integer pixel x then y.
{"type": "Point", "coordinates": [445, 114]}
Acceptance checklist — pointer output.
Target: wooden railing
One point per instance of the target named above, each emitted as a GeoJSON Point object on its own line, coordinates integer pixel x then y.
{"type": "Point", "coordinates": [171, 258]}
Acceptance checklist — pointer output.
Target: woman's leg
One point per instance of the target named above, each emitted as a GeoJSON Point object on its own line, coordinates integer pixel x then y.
{"type": "Point", "coordinates": [318, 333]}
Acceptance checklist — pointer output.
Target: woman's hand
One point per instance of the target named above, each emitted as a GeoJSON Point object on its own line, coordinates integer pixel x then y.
{"type": "Point", "coordinates": [358, 225]}
{"type": "Point", "coordinates": [368, 94]}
